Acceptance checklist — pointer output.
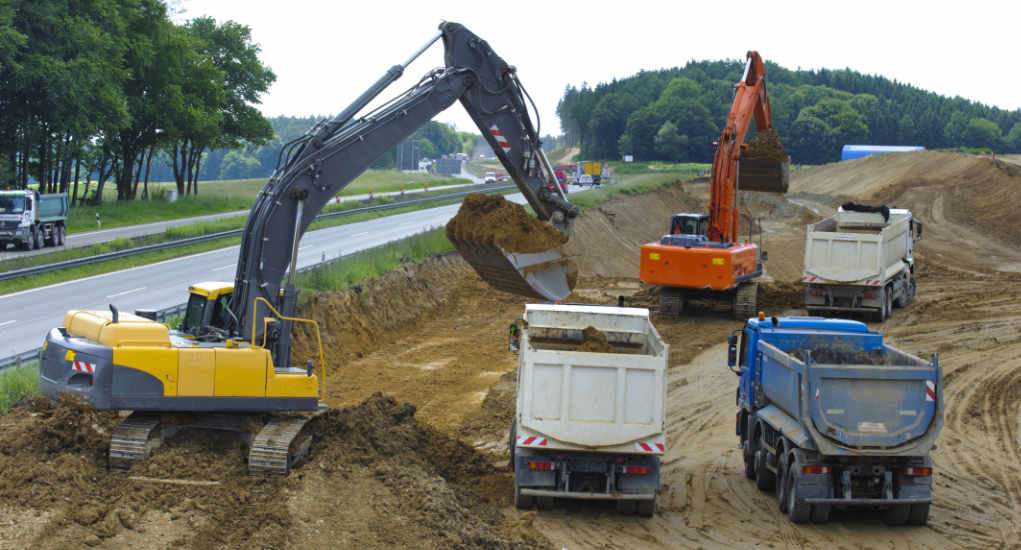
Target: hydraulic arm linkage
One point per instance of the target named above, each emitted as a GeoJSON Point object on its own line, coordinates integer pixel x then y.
{"type": "Point", "coordinates": [333, 153]}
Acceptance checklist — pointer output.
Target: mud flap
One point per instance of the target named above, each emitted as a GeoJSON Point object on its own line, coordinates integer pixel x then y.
{"type": "Point", "coordinates": [763, 174]}
{"type": "Point", "coordinates": [546, 275]}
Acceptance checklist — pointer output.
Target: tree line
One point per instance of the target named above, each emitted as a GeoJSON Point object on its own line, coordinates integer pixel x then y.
{"type": "Point", "coordinates": [676, 114]}
{"type": "Point", "coordinates": [92, 91]}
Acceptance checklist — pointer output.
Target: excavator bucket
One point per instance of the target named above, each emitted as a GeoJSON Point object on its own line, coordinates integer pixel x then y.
{"type": "Point", "coordinates": [546, 275]}
{"type": "Point", "coordinates": [763, 174]}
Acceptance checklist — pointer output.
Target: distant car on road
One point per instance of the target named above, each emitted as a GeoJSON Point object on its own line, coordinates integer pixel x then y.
{"type": "Point", "coordinates": [490, 177]}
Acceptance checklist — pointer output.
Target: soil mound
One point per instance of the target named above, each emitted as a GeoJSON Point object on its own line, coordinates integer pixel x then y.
{"type": "Point", "coordinates": [493, 220]}
{"type": "Point", "coordinates": [593, 339]}
{"type": "Point", "coordinates": [766, 145]}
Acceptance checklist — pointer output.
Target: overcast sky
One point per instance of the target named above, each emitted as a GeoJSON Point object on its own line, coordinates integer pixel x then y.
{"type": "Point", "coordinates": [326, 53]}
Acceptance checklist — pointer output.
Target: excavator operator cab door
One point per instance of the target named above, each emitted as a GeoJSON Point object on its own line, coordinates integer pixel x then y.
{"type": "Point", "coordinates": [203, 311]}
{"type": "Point", "coordinates": [689, 224]}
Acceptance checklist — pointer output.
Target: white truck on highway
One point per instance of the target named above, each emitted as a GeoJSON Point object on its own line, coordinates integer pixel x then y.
{"type": "Point", "coordinates": [861, 260]}
{"type": "Point", "coordinates": [590, 421]}
{"type": "Point", "coordinates": [31, 220]}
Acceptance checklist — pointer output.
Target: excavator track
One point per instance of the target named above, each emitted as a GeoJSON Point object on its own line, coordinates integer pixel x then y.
{"type": "Point", "coordinates": [746, 300]}
{"type": "Point", "coordinates": [133, 440]}
{"type": "Point", "coordinates": [279, 446]}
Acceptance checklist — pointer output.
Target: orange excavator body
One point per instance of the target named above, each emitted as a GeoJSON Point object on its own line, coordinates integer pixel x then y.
{"type": "Point", "coordinates": [712, 257]}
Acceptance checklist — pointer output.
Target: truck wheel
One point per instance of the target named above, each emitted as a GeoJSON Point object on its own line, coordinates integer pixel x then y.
{"type": "Point", "coordinates": [764, 479]}
{"type": "Point", "coordinates": [781, 484]}
{"type": "Point", "coordinates": [889, 302]}
{"type": "Point", "coordinates": [61, 233]}
{"type": "Point", "coordinates": [896, 514]}
{"type": "Point", "coordinates": [646, 508]}
{"type": "Point", "coordinates": [919, 514]}
{"type": "Point", "coordinates": [820, 513]}
{"type": "Point", "coordinates": [29, 241]}
{"type": "Point", "coordinates": [40, 240]}
{"type": "Point", "coordinates": [627, 507]}
{"type": "Point", "coordinates": [798, 510]}
{"type": "Point", "coordinates": [749, 459]}
{"type": "Point", "coordinates": [745, 301]}
{"type": "Point", "coordinates": [522, 502]}
{"type": "Point", "coordinates": [880, 315]}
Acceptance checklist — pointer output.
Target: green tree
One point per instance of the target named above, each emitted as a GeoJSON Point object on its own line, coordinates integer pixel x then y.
{"type": "Point", "coordinates": [670, 144]}
{"type": "Point", "coordinates": [1013, 139]}
{"type": "Point", "coordinates": [982, 133]}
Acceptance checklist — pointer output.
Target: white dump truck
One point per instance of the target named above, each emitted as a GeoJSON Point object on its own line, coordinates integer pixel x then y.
{"type": "Point", "coordinates": [861, 260]}
{"type": "Point", "coordinates": [591, 412]}
{"type": "Point", "coordinates": [31, 220]}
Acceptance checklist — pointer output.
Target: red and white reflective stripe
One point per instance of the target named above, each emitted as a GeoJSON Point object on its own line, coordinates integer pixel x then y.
{"type": "Point", "coordinates": [82, 366]}
{"type": "Point", "coordinates": [873, 282]}
{"type": "Point", "coordinates": [649, 447]}
{"type": "Point", "coordinates": [930, 390]}
{"type": "Point", "coordinates": [531, 441]}
{"type": "Point", "coordinates": [808, 278]}
{"type": "Point", "coordinates": [502, 141]}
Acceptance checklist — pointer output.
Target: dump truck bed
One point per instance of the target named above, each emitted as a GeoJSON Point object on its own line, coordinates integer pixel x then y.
{"type": "Point", "coordinates": [850, 393]}
{"type": "Point", "coordinates": [603, 401]}
{"type": "Point", "coordinates": [857, 248]}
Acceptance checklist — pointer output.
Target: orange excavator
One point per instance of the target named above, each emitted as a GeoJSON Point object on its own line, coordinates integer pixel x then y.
{"type": "Point", "coordinates": [703, 256]}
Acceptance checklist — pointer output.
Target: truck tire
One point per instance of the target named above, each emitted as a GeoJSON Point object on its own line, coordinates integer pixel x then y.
{"type": "Point", "coordinates": [40, 240]}
{"type": "Point", "coordinates": [781, 484]}
{"type": "Point", "coordinates": [919, 514]}
{"type": "Point", "coordinates": [889, 302]}
{"type": "Point", "coordinates": [821, 513]}
{"type": "Point", "coordinates": [29, 243]}
{"type": "Point", "coordinates": [896, 514]}
{"type": "Point", "coordinates": [749, 458]}
{"type": "Point", "coordinates": [798, 510]}
{"type": "Point", "coordinates": [745, 301]}
{"type": "Point", "coordinates": [765, 480]}
{"type": "Point", "coordinates": [646, 508]}
{"type": "Point", "coordinates": [522, 502]}
{"type": "Point", "coordinates": [61, 234]}
{"type": "Point", "coordinates": [627, 507]}
{"type": "Point", "coordinates": [880, 315]}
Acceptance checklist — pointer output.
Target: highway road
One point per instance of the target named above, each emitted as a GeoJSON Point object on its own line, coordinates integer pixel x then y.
{"type": "Point", "coordinates": [89, 238]}
{"type": "Point", "coordinates": [26, 316]}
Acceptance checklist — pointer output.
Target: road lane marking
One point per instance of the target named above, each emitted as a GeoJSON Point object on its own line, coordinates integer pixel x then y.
{"type": "Point", "coordinates": [360, 234]}
{"type": "Point", "coordinates": [5, 323]}
{"type": "Point", "coordinates": [221, 268]}
{"type": "Point", "coordinates": [139, 289]}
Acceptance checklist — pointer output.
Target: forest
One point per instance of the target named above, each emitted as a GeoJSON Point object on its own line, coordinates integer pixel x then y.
{"type": "Point", "coordinates": [676, 114]}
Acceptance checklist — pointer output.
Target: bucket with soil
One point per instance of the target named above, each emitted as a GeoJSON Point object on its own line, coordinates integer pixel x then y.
{"type": "Point", "coordinates": [511, 250]}
{"type": "Point", "coordinates": [764, 166]}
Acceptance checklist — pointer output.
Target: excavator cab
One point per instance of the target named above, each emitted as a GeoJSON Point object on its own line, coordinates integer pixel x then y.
{"type": "Point", "coordinates": [689, 224]}
{"type": "Point", "coordinates": [208, 312]}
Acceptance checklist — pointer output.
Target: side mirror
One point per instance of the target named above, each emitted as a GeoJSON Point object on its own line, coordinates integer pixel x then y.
{"type": "Point", "coordinates": [308, 367]}
{"type": "Point", "coordinates": [732, 350]}
{"type": "Point", "coordinates": [513, 338]}
{"type": "Point", "coordinates": [765, 256]}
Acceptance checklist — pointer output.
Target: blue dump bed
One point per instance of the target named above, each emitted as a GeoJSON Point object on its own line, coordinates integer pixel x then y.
{"type": "Point", "coordinates": [845, 390]}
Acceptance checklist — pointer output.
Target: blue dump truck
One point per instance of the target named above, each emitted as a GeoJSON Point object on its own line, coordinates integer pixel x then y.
{"type": "Point", "coordinates": [830, 416]}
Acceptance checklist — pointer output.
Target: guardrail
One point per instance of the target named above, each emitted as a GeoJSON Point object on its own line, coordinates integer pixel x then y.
{"type": "Point", "coordinates": [13, 274]}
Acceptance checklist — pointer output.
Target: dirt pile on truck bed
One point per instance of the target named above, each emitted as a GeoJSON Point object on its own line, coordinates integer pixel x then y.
{"type": "Point", "coordinates": [766, 145]}
{"type": "Point", "coordinates": [494, 220]}
{"type": "Point", "coordinates": [593, 340]}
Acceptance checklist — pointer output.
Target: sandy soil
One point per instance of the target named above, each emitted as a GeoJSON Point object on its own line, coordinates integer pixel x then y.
{"type": "Point", "coordinates": [432, 473]}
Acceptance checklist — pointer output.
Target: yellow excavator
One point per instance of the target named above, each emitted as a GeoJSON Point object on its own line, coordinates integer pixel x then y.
{"type": "Point", "coordinates": [227, 366]}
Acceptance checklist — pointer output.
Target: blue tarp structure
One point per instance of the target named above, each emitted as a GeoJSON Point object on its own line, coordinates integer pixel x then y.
{"type": "Point", "coordinates": [858, 151]}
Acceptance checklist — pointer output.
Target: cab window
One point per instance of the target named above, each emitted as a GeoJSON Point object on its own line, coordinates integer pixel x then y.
{"type": "Point", "coordinates": [741, 359]}
{"type": "Point", "coordinates": [193, 314]}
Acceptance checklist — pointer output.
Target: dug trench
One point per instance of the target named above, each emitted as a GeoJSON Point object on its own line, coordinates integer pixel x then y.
{"type": "Point", "coordinates": [432, 473]}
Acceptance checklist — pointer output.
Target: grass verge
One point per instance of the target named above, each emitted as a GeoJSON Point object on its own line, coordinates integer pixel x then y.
{"type": "Point", "coordinates": [17, 383]}
{"type": "Point", "coordinates": [374, 262]}
{"type": "Point", "coordinates": [225, 196]}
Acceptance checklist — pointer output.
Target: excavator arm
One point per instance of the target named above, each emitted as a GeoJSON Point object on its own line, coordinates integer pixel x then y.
{"type": "Point", "coordinates": [729, 172]}
{"type": "Point", "coordinates": [333, 153]}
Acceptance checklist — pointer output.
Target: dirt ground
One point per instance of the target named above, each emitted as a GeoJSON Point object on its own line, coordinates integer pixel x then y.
{"type": "Point", "coordinates": [421, 384]}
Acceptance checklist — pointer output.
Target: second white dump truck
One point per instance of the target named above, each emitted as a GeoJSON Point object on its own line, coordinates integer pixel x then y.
{"type": "Point", "coordinates": [591, 413]}
{"type": "Point", "coordinates": [861, 260]}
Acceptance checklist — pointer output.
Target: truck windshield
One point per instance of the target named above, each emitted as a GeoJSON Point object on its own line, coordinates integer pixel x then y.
{"type": "Point", "coordinates": [11, 205]}
{"type": "Point", "coordinates": [193, 315]}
